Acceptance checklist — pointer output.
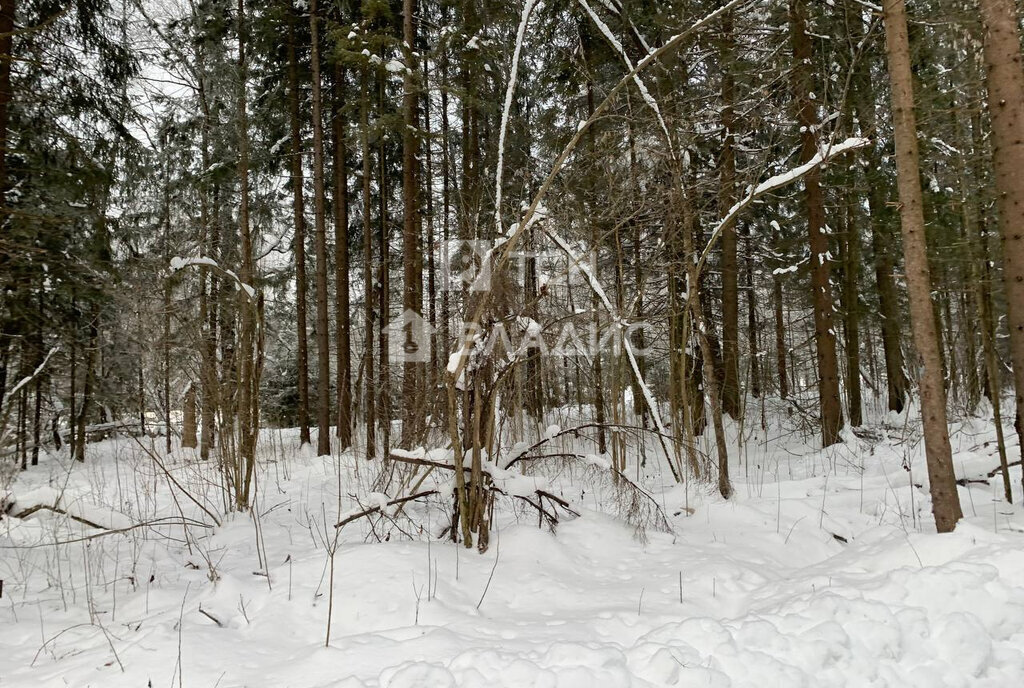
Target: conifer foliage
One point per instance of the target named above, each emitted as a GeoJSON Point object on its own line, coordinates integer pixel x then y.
{"type": "Point", "coordinates": [438, 223]}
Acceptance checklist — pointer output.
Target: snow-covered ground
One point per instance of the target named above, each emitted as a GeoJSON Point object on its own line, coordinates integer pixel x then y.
{"type": "Point", "coordinates": [823, 570]}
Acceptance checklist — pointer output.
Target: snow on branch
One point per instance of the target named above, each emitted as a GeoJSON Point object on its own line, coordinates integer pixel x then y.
{"type": "Point", "coordinates": [179, 263]}
{"type": "Point", "coordinates": [35, 373]}
{"type": "Point", "coordinates": [528, 8]}
{"type": "Point", "coordinates": [823, 155]}
{"type": "Point", "coordinates": [641, 86]}
{"type": "Point", "coordinates": [461, 357]}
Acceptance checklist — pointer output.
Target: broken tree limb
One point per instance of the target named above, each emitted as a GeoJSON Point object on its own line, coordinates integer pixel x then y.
{"type": "Point", "coordinates": [374, 509]}
{"type": "Point", "coordinates": [57, 510]}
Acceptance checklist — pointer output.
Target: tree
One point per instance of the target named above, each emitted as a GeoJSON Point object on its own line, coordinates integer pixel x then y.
{"type": "Point", "coordinates": [299, 247]}
{"type": "Point", "coordinates": [412, 254]}
{"type": "Point", "coordinates": [1005, 83]}
{"type": "Point", "coordinates": [821, 284]}
{"type": "Point", "coordinates": [323, 347]}
{"type": "Point", "coordinates": [945, 500]}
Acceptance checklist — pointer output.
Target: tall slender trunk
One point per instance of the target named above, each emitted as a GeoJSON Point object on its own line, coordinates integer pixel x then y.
{"type": "Point", "coordinates": [1005, 83]}
{"type": "Point", "coordinates": [883, 244]}
{"type": "Point", "coordinates": [39, 355]}
{"type": "Point", "coordinates": [945, 500]}
{"type": "Point", "coordinates": [427, 189]}
{"type": "Point", "coordinates": [75, 330]}
{"type": "Point", "coordinates": [730, 261]}
{"type": "Point", "coordinates": [299, 221]}
{"type": "Point", "coordinates": [752, 327]}
{"type": "Point", "coordinates": [207, 294]}
{"type": "Point", "coordinates": [821, 285]}
{"type": "Point", "coordinates": [700, 326]}
{"type": "Point", "coordinates": [166, 343]}
{"type": "Point", "coordinates": [412, 277]}
{"type": "Point", "coordinates": [92, 357]}
{"type": "Point", "coordinates": [850, 239]}
{"type": "Point", "coordinates": [446, 202]}
{"type": "Point", "coordinates": [370, 389]}
{"type": "Point", "coordinates": [383, 281]}
{"type": "Point", "coordinates": [343, 342]}
{"type": "Point", "coordinates": [323, 345]}
{"type": "Point", "coordinates": [977, 259]}
{"type": "Point", "coordinates": [248, 402]}
{"type": "Point", "coordinates": [595, 302]}
{"type": "Point", "coordinates": [8, 10]}
{"type": "Point", "coordinates": [780, 326]}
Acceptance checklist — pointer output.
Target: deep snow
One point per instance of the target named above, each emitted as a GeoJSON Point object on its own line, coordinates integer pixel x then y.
{"type": "Point", "coordinates": [758, 591]}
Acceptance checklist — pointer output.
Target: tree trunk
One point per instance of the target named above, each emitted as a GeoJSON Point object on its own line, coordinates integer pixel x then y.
{"type": "Point", "coordinates": [299, 220]}
{"type": "Point", "coordinates": [248, 402]}
{"type": "Point", "coordinates": [8, 10]}
{"type": "Point", "coordinates": [945, 500]}
{"type": "Point", "coordinates": [1005, 83]}
{"type": "Point", "coordinates": [92, 357]}
{"type": "Point", "coordinates": [824, 325]}
{"type": "Point", "coordinates": [730, 261]}
{"type": "Point", "coordinates": [323, 346]}
{"type": "Point", "coordinates": [166, 343]}
{"type": "Point", "coordinates": [343, 343]}
{"type": "Point", "coordinates": [370, 389]}
{"type": "Point", "coordinates": [188, 422]}
{"type": "Point", "coordinates": [752, 327]}
{"type": "Point", "coordinates": [207, 299]}
{"type": "Point", "coordinates": [780, 328]}
{"type": "Point", "coordinates": [977, 259]}
{"type": "Point", "coordinates": [412, 284]}
{"type": "Point", "coordinates": [850, 239]}
{"type": "Point", "coordinates": [882, 238]}
{"type": "Point", "coordinates": [383, 280]}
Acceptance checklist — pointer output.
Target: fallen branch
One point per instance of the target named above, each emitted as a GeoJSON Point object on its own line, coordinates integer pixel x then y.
{"type": "Point", "coordinates": [185, 523]}
{"type": "Point", "coordinates": [522, 455]}
{"type": "Point", "coordinates": [402, 458]}
{"type": "Point", "coordinates": [211, 617]}
{"type": "Point", "coordinates": [374, 509]}
{"type": "Point", "coordinates": [57, 510]}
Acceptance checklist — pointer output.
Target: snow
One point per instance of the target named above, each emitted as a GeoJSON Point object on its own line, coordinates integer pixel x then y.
{"type": "Point", "coordinates": [823, 570]}
{"type": "Point", "coordinates": [825, 153]}
{"type": "Point", "coordinates": [180, 263]}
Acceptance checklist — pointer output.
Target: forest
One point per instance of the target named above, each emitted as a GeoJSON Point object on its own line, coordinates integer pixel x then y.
{"type": "Point", "coordinates": [712, 310]}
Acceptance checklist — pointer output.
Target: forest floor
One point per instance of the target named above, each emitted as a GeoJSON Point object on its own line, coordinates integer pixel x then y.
{"type": "Point", "coordinates": [824, 569]}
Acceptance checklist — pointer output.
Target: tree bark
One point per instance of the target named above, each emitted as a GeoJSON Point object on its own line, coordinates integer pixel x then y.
{"type": "Point", "coordinates": [8, 10]}
{"type": "Point", "coordinates": [882, 237]}
{"type": "Point", "coordinates": [851, 308]}
{"type": "Point", "coordinates": [342, 304]}
{"type": "Point", "coordinates": [248, 402]}
{"type": "Point", "coordinates": [412, 286]}
{"type": "Point", "coordinates": [299, 220]}
{"type": "Point", "coordinates": [188, 423]}
{"type": "Point", "coordinates": [1005, 83]}
{"type": "Point", "coordinates": [730, 261]}
{"type": "Point", "coordinates": [369, 390]}
{"type": "Point", "coordinates": [824, 325]}
{"type": "Point", "coordinates": [945, 500]}
{"type": "Point", "coordinates": [323, 346]}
